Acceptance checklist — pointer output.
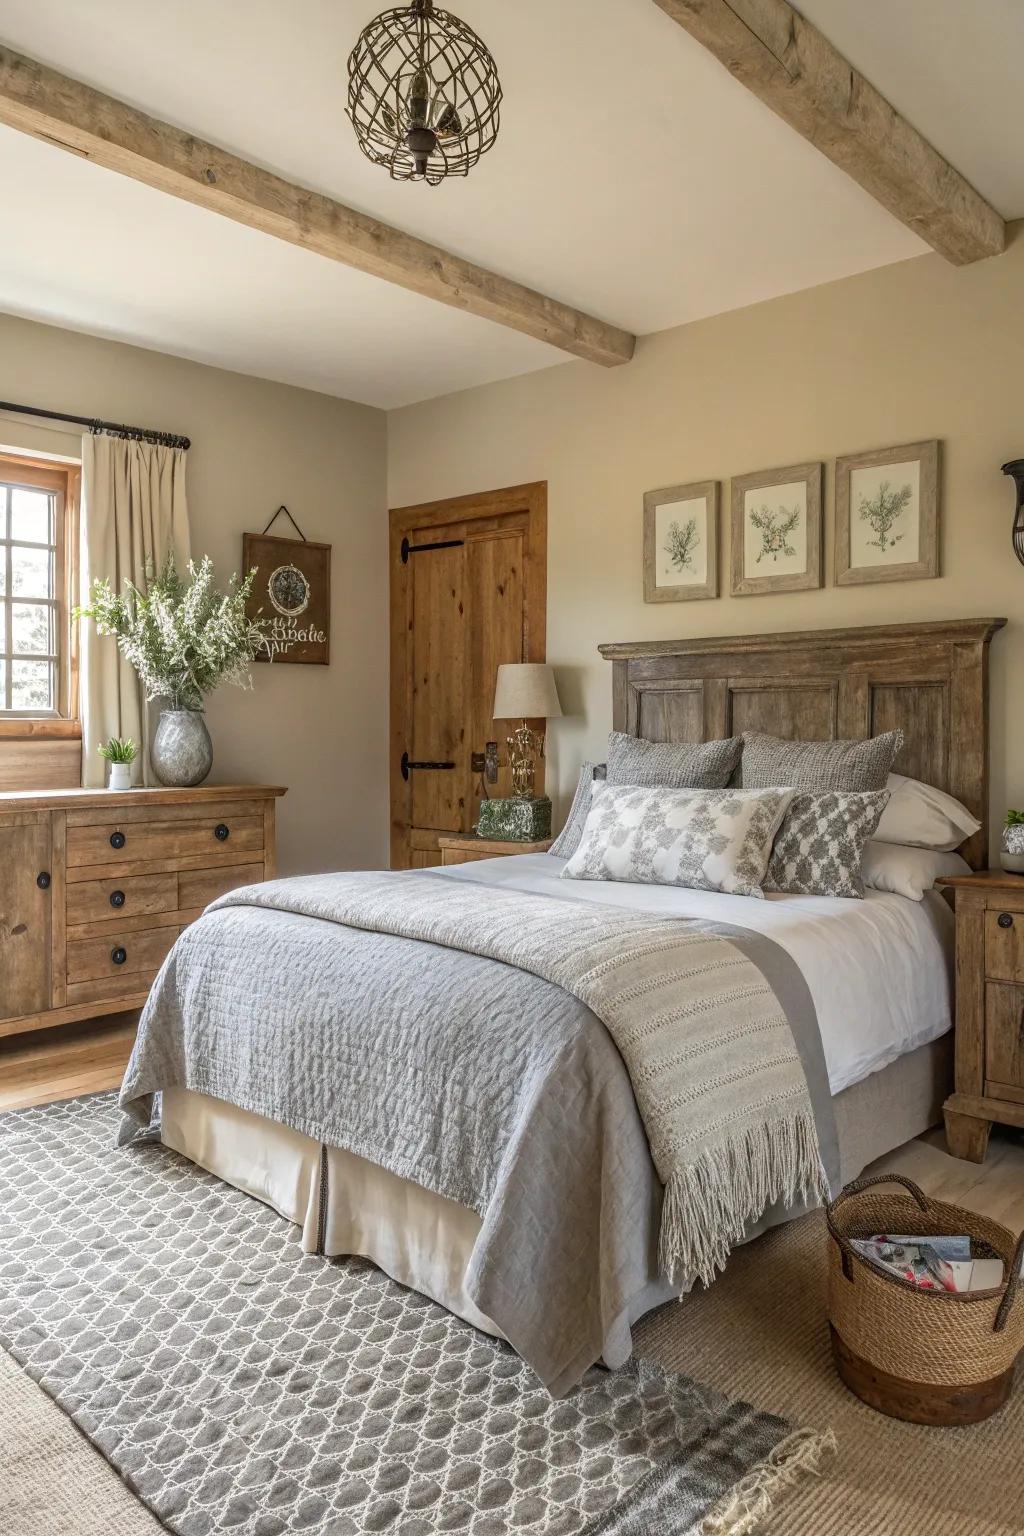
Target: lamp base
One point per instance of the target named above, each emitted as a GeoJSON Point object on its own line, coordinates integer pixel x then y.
{"type": "Point", "coordinates": [515, 821]}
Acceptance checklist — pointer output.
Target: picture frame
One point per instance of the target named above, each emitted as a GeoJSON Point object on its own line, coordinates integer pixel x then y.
{"type": "Point", "coordinates": [293, 591]}
{"type": "Point", "coordinates": [777, 530]}
{"type": "Point", "coordinates": [681, 542]}
{"type": "Point", "coordinates": [887, 514]}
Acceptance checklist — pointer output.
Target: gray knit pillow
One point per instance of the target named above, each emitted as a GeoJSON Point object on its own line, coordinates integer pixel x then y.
{"type": "Point", "coordinates": [819, 847]}
{"type": "Point", "coordinates": [819, 766]}
{"type": "Point", "coordinates": [672, 764]}
{"type": "Point", "coordinates": [568, 840]}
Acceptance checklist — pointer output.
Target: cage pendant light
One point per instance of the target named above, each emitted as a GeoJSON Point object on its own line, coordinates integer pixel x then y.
{"type": "Point", "coordinates": [423, 93]}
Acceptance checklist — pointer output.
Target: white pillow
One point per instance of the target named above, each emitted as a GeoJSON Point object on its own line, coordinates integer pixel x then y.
{"type": "Point", "coordinates": [921, 816]}
{"type": "Point", "coordinates": [705, 839]}
{"type": "Point", "coordinates": [907, 871]}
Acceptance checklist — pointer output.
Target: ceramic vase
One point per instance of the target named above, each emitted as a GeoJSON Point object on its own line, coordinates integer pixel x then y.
{"type": "Point", "coordinates": [120, 776]}
{"type": "Point", "coordinates": [1011, 849]}
{"type": "Point", "coordinates": [182, 752]}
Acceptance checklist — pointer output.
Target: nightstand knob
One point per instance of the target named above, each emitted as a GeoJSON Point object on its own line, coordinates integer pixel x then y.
{"type": "Point", "coordinates": [117, 898]}
{"type": "Point", "coordinates": [117, 839]}
{"type": "Point", "coordinates": [1005, 920]}
{"type": "Point", "coordinates": [119, 955]}
{"type": "Point", "coordinates": [222, 832]}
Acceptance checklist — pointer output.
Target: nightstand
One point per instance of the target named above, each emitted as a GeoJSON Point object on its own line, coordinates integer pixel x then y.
{"type": "Point", "coordinates": [466, 850]}
{"type": "Point", "coordinates": [989, 1009]}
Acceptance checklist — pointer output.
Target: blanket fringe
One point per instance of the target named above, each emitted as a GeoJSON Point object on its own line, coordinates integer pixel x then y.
{"type": "Point", "coordinates": [711, 1202]}
{"type": "Point", "coordinates": [753, 1498]}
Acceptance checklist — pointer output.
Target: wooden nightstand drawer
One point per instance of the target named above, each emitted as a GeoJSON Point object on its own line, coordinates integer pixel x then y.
{"type": "Point", "coordinates": [1004, 944]}
{"type": "Point", "coordinates": [1004, 1040]}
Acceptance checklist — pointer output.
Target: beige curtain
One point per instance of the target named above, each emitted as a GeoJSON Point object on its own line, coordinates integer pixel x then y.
{"type": "Point", "coordinates": [133, 513]}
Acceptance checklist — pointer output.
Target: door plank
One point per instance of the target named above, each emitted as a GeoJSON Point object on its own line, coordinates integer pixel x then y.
{"type": "Point", "coordinates": [438, 689]}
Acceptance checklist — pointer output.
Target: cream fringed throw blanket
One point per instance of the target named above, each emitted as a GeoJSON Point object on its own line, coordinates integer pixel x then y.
{"type": "Point", "coordinates": [717, 1067]}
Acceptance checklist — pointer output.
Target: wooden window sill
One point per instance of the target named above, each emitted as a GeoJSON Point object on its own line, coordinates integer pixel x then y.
{"type": "Point", "coordinates": [40, 730]}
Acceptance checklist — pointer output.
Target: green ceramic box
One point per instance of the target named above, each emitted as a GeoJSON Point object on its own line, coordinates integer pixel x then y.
{"type": "Point", "coordinates": [515, 821]}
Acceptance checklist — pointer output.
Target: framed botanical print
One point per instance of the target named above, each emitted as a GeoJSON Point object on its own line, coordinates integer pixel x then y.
{"type": "Point", "coordinates": [681, 542]}
{"type": "Point", "coordinates": [887, 514]}
{"type": "Point", "coordinates": [776, 530]}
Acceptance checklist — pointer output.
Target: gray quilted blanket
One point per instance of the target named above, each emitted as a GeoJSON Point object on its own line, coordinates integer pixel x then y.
{"type": "Point", "coordinates": [450, 1033]}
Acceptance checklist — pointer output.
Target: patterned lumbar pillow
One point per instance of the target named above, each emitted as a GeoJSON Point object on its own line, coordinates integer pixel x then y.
{"type": "Point", "coordinates": [672, 764]}
{"type": "Point", "coordinates": [820, 845]}
{"type": "Point", "coordinates": [819, 766]}
{"type": "Point", "coordinates": [568, 840]}
{"type": "Point", "coordinates": [705, 839]}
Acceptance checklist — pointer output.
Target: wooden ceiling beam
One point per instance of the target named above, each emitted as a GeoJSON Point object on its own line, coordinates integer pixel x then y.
{"type": "Point", "coordinates": [796, 71]}
{"type": "Point", "coordinates": [51, 106]}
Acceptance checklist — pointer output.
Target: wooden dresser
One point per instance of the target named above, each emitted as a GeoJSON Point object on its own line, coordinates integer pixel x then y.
{"type": "Point", "coordinates": [989, 1009]}
{"type": "Point", "coordinates": [95, 887]}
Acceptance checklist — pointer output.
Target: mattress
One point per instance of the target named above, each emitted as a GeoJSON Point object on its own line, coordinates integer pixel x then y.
{"type": "Point", "coordinates": [879, 970]}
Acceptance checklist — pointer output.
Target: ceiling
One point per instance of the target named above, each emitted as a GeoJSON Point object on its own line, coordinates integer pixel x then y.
{"type": "Point", "coordinates": [633, 178]}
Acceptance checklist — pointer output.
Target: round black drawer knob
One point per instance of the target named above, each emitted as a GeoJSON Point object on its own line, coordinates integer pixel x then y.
{"type": "Point", "coordinates": [1005, 920]}
{"type": "Point", "coordinates": [117, 839]}
{"type": "Point", "coordinates": [43, 880]}
{"type": "Point", "coordinates": [221, 832]}
{"type": "Point", "coordinates": [119, 954]}
{"type": "Point", "coordinates": [117, 898]}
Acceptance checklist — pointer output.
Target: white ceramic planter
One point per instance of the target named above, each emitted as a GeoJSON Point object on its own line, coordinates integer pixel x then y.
{"type": "Point", "coordinates": [120, 776]}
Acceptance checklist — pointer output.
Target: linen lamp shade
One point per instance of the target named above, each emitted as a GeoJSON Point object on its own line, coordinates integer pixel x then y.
{"type": "Point", "coordinates": [526, 691]}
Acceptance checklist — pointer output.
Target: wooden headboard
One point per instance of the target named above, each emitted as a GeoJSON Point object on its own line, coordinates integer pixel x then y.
{"type": "Point", "coordinates": [930, 680]}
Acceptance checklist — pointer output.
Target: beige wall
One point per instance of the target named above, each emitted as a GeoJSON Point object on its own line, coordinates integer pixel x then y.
{"type": "Point", "coordinates": [912, 351]}
{"type": "Point", "coordinates": [319, 730]}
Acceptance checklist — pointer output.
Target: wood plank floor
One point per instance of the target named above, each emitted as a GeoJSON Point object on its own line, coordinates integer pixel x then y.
{"type": "Point", "coordinates": [91, 1058]}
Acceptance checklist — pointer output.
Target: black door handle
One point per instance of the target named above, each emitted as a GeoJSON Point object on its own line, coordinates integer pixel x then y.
{"type": "Point", "coordinates": [407, 766]}
{"type": "Point", "coordinates": [43, 879]}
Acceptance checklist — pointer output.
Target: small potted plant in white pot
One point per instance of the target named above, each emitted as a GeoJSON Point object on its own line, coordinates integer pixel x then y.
{"type": "Point", "coordinates": [1011, 850]}
{"type": "Point", "coordinates": [184, 638]}
{"type": "Point", "coordinates": [119, 753]}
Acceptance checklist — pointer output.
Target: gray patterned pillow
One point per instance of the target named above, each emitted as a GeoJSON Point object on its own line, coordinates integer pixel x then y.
{"type": "Point", "coordinates": [705, 839]}
{"type": "Point", "coordinates": [818, 766]}
{"type": "Point", "coordinates": [820, 845]}
{"type": "Point", "coordinates": [568, 840]}
{"type": "Point", "coordinates": [672, 764]}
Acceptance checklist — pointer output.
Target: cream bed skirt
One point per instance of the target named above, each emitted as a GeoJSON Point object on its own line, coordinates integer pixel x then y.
{"type": "Point", "coordinates": [347, 1205]}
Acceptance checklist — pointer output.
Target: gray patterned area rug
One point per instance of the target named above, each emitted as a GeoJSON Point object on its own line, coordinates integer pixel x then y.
{"type": "Point", "coordinates": [242, 1387]}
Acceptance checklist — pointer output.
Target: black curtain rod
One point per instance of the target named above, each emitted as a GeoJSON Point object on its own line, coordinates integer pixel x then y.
{"type": "Point", "coordinates": [116, 429]}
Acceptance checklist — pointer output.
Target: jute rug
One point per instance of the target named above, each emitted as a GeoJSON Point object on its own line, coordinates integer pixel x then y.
{"type": "Point", "coordinates": [241, 1387]}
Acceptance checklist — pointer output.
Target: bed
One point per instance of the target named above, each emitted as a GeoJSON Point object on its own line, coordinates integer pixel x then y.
{"type": "Point", "coordinates": [562, 1258]}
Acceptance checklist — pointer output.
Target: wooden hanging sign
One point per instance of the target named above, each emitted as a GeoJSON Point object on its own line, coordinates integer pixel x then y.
{"type": "Point", "coordinates": [291, 593]}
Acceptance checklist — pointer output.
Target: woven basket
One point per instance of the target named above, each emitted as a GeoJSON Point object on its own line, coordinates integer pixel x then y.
{"type": "Point", "coordinates": [933, 1357]}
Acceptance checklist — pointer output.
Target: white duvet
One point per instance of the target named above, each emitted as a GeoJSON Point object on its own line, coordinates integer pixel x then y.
{"type": "Point", "coordinates": [879, 970]}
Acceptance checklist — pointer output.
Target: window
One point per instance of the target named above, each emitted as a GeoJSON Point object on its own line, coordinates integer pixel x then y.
{"type": "Point", "coordinates": [35, 628]}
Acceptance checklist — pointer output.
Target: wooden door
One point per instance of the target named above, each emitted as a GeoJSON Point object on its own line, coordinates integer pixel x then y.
{"type": "Point", "coordinates": [468, 592]}
{"type": "Point", "coordinates": [26, 883]}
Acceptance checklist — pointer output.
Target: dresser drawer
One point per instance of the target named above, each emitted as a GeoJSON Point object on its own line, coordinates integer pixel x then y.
{"type": "Point", "coordinates": [94, 901]}
{"type": "Point", "coordinates": [113, 842]}
{"type": "Point", "coordinates": [1004, 944]}
{"type": "Point", "coordinates": [119, 955]}
{"type": "Point", "coordinates": [198, 887]}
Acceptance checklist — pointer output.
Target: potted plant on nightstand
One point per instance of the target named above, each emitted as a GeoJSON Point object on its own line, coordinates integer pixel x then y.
{"type": "Point", "coordinates": [1011, 847]}
{"type": "Point", "coordinates": [184, 638]}
{"type": "Point", "coordinates": [119, 753]}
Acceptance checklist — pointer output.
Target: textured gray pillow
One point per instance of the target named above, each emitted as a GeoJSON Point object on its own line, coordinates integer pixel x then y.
{"type": "Point", "coordinates": [819, 766]}
{"type": "Point", "coordinates": [819, 847]}
{"type": "Point", "coordinates": [672, 764]}
{"type": "Point", "coordinates": [568, 840]}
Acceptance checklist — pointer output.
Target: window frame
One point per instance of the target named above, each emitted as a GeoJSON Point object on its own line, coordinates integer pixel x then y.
{"type": "Point", "coordinates": [62, 480]}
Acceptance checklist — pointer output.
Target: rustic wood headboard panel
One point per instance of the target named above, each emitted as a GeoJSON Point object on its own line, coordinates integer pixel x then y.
{"type": "Point", "coordinates": [930, 680]}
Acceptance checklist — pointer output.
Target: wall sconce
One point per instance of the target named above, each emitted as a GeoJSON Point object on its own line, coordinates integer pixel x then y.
{"type": "Point", "coordinates": [1015, 467]}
